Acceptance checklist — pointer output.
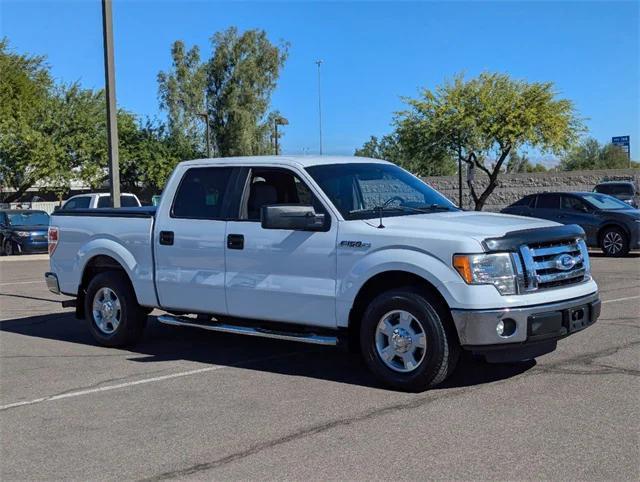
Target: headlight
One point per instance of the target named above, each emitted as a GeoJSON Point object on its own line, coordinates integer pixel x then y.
{"type": "Point", "coordinates": [23, 234]}
{"type": "Point", "coordinates": [488, 269]}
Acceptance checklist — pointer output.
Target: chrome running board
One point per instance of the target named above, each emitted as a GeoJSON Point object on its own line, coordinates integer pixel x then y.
{"type": "Point", "coordinates": [251, 331]}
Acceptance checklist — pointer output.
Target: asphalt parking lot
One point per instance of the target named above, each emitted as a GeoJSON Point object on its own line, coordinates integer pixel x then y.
{"type": "Point", "coordinates": [192, 404]}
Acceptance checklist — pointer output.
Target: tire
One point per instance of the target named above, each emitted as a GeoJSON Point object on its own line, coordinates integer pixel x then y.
{"type": "Point", "coordinates": [112, 311]}
{"type": "Point", "coordinates": [9, 248]}
{"type": "Point", "coordinates": [397, 316]}
{"type": "Point", "coordinates": [614, 242]}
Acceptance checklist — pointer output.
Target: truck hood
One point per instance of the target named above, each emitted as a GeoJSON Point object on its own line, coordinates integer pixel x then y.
{"type": "Point", "coordinates": [476, 225]}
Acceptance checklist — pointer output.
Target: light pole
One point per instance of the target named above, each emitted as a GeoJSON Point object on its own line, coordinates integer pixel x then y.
{"type": "Point", "coordinates": [205, 116]}
{"type": "Point", "coordinates": [319, 63]}
{"type": "Point", "coordinates": [279, 121]}
{"type": "Point", "coordinates": [110, 90]}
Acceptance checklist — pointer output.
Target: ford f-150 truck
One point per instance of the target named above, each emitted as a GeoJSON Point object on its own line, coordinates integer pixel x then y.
{"type": "Point", "coordinates": [327, 250]}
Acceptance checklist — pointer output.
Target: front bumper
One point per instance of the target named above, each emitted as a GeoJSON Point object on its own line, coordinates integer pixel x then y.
{"type": "Point", "coordinates": [537, 328]}
{"type": "Point", "coordinates": [26, 245]}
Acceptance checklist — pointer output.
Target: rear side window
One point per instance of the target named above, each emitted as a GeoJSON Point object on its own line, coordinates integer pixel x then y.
{"type": "Point", "coordinates": [548, 201]}
{"type": "Point", "coordinates": [201, 193]}
{"type": "Point", "coordinates": [78, 203]}
{"type": "Point", "coordinates": [125, 202]}
{"type": "Point", "coordinates": [525, 201]}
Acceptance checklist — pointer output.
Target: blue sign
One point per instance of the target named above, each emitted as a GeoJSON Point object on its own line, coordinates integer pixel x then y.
{"type": "Point", "coordinates": [623, 143]}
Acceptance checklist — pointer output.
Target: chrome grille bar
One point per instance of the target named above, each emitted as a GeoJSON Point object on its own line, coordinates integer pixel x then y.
{"type": "Point", "coordinates": [551, 263]}
{"type": "Point", "coordinates": [551, 278]}
{"type": "Point", "coordinates": [565, 248]}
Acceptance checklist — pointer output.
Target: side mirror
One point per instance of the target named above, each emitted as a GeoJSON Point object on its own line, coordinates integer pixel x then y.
{"type": "Point", "coordinates": [292, 216]}
{"type": "Point", "coordinates": [56, 208]}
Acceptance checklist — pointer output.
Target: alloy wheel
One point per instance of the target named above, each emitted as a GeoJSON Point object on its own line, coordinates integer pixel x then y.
{"type": "Point", "coordinates": [401, 341]}
{"type": "Point", "coordinates": [612, 242]}
{"type": "Point", "coordinates": [107, 311]}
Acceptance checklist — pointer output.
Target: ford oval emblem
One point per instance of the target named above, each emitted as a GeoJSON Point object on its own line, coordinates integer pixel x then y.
{"type": "Point", "coordinates": [565, 262]}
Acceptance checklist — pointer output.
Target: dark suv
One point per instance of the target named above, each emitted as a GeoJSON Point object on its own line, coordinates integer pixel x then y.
{"type": "Point", "coordinates": [609, 223]}
{"type": "Point", "coordinates": [23, 231]}
{"type": "Point", "coordinates": [624, 190]}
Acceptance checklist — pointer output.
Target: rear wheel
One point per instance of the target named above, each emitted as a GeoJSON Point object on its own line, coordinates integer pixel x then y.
{"type": "Point", "coordinates": [112, 311]}
{"type": "Point", "coordinates": [614, 242]}
{"type": "Point", "coordinates": [406, 340]}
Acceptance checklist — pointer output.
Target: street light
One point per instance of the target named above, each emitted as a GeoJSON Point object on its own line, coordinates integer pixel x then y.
{"type": "Point", "coordinates": [110, 91]}
{"type": "Point", "coordinates": [279, 121]}
{"type": "Point", "coordinates": [205, 116]}
{"type": "Point", "coordinates": [319, 63]}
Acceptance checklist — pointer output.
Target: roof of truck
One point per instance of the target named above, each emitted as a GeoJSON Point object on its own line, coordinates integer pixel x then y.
{"type": "Point", "coordinates": [304, 161]}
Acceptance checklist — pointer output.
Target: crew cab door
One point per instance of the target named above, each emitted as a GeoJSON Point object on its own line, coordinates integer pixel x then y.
{"type": "Point", "coordinates": [190, 240]}
{"type": "Point", "coordinates": [280, 274]}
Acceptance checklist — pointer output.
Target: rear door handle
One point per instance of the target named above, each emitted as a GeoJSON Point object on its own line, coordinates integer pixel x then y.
{"type": "Point", "coordinates": [235, 241]}
{"type": "Point", "coordinates": [166, 238]}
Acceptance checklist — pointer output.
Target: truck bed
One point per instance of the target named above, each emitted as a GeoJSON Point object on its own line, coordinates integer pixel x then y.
{"type": "Point", "coordinates": [124, 234]}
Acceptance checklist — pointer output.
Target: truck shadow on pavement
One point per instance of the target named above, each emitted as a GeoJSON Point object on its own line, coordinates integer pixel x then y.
{"type": "Point", "coordinates": [163, 343]}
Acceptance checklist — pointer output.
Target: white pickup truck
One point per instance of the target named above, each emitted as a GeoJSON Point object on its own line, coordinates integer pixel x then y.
{"type": "Point", "coordinates": [327, 250]}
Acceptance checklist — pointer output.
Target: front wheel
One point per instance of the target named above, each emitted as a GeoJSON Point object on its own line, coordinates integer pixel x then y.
{"type": "Point", "coordinates": [115, 318]}
{"type": "Point", "coordinates": [10, 248]}
{"type": "Point", "coordinates": [406, 340]}
{"type": "Point", "coordinates": [614, 242]}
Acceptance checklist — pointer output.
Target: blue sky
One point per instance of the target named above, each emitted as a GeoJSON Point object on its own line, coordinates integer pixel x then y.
{"type": "Point", "coordinates": [373, 53]}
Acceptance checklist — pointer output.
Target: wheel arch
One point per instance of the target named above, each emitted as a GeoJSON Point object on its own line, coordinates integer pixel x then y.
{"type": "Point", "coordinates": [384, 281]}
{"type": "Point", "coordinates": [96, 264]}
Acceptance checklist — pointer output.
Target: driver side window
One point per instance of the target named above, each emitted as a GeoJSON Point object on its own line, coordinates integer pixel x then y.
{"type": "Point", "coordinates": [571, 203]}
{"type": "Point", "coordinates": [269, 186]}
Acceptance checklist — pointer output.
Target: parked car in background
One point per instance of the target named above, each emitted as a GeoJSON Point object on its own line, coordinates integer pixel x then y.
{"type": "Point", "coordinates": [23, 231]}
{"type": "Point", "coordinates": [624, 190]}
{"type": "Point", "coordinates": [99, 200]}
{"type": "Point", "coordinates": [610, 224]}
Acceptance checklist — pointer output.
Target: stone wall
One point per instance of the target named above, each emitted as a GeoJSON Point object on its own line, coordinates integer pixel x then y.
{"type": "Point", "coordinates": [512, 187]}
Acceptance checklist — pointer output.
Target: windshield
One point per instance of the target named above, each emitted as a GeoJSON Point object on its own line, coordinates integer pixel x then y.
{"type": "Point", "coordinates": [602, 201]}
{"type": "Point", "coordinates": [367, 190]}
{"type": "Point", "coordinates": [614, 189]}
{"type": "Point", "coordinates": [29, 218]}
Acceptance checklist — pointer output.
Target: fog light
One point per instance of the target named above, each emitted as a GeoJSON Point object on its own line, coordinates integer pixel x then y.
{"type": "Point", "coordinates": [505, 328]}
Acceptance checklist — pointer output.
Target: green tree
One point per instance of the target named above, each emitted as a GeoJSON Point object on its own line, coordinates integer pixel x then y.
{"type": "Point", "coordinates": [28, 152]}
{"type": "Point", "coordinates": [400, 149]}
{"type": "Point", "coordinates": [181, 92]}
{"type": "Point", "coordinates": [590, 154]}
{"type": "Point", "coordinates": [520, 163]}
{"type": "Point", "coordinates": [487, 118]}
{"type": "Point", "coordinates": [241, 76]}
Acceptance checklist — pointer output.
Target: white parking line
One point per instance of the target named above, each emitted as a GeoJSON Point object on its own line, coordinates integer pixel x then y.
{"type": "Point", "coordinates": [622, 299]}
{"type": "Point", "coordinates": [24, 257]}
{"type": "Point", "coordinates": [22, 282]}
{"type": "Point", "coordinates": [106, 388]}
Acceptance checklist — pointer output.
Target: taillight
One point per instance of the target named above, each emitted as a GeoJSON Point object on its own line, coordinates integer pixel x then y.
{"type": "Point", "coordinates": [53, 239]}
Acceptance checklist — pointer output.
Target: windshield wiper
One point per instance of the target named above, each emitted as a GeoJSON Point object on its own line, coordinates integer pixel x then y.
{"type": "Point", "coordinates": [385, 207]}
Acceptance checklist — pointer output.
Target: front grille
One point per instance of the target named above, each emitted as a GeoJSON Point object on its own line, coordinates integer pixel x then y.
{"type": "Point", "coordinates": [553, 264]}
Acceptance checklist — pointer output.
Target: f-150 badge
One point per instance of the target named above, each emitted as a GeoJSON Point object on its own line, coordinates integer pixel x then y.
{"type": "Point", "coordinates": [354, 244]}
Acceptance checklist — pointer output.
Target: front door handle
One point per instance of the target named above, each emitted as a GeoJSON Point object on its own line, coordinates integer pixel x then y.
{"type": "Point", "coordinates": [235, 241]}
{"type": "Point", "coordinates": [166, 238]}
